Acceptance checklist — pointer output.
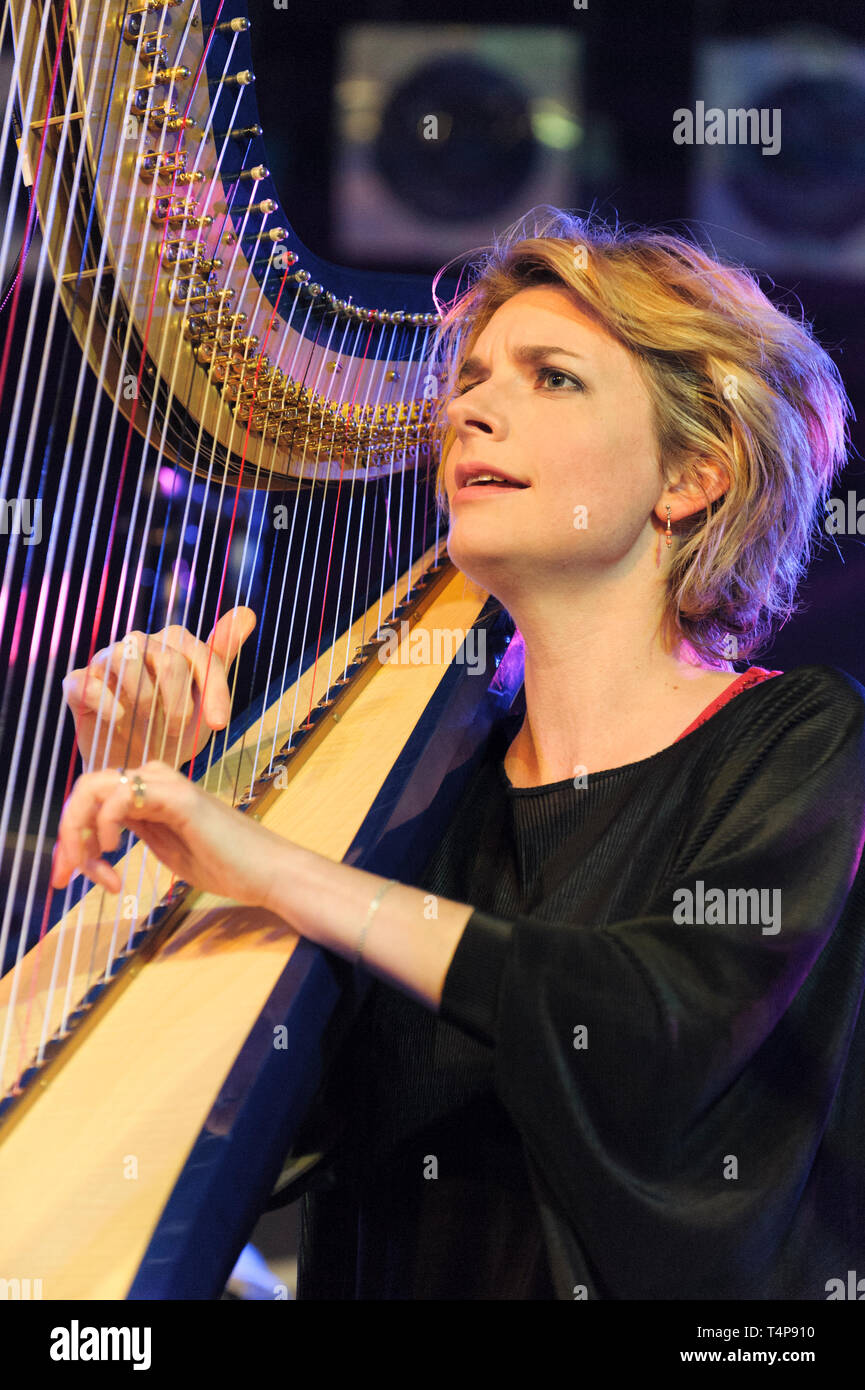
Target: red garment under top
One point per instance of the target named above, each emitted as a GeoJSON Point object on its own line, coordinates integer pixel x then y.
{"type": "Point", "coordinates": [752, 676]}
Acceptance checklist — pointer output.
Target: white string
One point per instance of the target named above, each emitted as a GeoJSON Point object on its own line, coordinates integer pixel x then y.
{"type": "Point", "coordinates": [236, 423]}
{"type": "Point", "coordinates": [53, 539]}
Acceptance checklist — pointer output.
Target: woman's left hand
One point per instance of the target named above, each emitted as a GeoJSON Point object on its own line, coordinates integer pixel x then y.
{"type": "Point", "coordinates": [204, 842]}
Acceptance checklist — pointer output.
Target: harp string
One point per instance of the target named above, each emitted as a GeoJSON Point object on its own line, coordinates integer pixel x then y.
{"type": "Point", "coordinates": [257, 543]}
{"type": "Point", "coordinates": [51, 550]}
{"type": "Point", "coordinates": [281, 595]}
{"type": "Point", "coordinates": [283, 683]}
{"type": "Point", "coordinates": [175, 568]}
{"type": "Point", "coordinates": [5, 144]}
{"type": "Point", "coordinates": [53, 649]}
{"type": "Point", "coordinates": [162, 375]}
{"type": "Point", "coordinates": [344, 559]}
{"type": "Point", "coordinates": [241, 570]}
{"type": "Point", "coordinates": [142, 137]}
{"type": "Point", "coordinates": [303, 551]}
{"type": "Point", "coordinates": [112, 946]}
{"type": "Point", "coordinates": [11, 320]}
{"type": "Point", "coordinates": [214, 745]}
{"type": "Point", "coordinates": [133, 598]}
{"type": "Point", "coordinates": [19, 165]}
{"type": "Point", "coordinates": [133, 601]}
{"type": "Point", "coordinates": [302, 341]}
{"type": "Point", "coordinates": [333, 533]}
{"type": "Point", "coordinates": [271, 319]}
{"type": "Point", "coordinates": [318, 542]}
{"type": "Point", "coordinates": [387, 502]}
{"type": "Point", "coordinates": [40, 390]}
{"type": "Point", "coordinates": [396, 561]}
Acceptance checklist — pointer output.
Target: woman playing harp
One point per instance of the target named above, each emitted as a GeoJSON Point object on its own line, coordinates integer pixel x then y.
{"type": "Point", "coordinates": [614, 1048]}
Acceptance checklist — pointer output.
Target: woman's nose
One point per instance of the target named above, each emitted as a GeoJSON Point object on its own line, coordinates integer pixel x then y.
{"type": "Point", "coordinates": [472, 411]}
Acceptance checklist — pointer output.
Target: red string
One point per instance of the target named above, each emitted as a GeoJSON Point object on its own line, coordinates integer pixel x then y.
{"type": "Point", "coordinates": [119, 490]}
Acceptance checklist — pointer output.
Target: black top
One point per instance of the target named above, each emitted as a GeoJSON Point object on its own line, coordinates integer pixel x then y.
{"type": "Point", "coordinates": [646, 1080]}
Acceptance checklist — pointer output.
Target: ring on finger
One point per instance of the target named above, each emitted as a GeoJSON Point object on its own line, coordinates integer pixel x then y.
{"type": "Point", "coordinates": [138, 792]}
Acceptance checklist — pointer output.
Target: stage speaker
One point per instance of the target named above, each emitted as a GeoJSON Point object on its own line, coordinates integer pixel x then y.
{"type": "Point", "coordinates": [442, 132]}
{"type": "Point", "coordinates": [799, 207]}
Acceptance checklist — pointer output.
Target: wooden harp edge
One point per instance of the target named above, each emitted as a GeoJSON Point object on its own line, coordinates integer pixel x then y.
{"type": "Point", "coordinates": [227, 1177]}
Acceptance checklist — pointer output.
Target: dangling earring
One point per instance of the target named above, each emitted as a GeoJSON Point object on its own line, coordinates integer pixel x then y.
{"type": "Point", "coordinates": [669, 534]}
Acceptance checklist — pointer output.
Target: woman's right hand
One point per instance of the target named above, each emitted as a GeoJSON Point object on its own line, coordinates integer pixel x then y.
{"type": "Point", "coordinates": [156, 686]}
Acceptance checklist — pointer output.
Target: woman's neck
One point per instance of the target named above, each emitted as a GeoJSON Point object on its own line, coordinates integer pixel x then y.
{"type": "Point", "coordinates": [593, 706]}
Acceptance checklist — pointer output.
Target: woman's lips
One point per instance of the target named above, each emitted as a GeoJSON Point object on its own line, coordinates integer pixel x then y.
{"type": "Point", "coordinates": [478, 490]}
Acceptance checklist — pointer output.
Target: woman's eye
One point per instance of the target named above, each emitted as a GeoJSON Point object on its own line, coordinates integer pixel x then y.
{"type": "Point", "coordinates": [556, 371]}
{"type": "Point", "coordinates": [542, 372]}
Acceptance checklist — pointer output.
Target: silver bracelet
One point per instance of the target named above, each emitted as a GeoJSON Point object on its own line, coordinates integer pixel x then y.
{"type": "Point", "coordinates": [369, 916]}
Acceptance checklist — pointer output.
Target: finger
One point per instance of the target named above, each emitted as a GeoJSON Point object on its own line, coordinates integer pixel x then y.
{"type": "Point", "coordinates": [72, 851]}
{"type": "Point", "coordinates": [77, 836]}
{"type": "Point", "coordinates": [166, 796]}
{"type": "Point", "coordinates": [98, 830]}
{"type": "Point", "coordinates": [96, 869]}
{"type": "Point", "coordinates": [61, 869]}
{"type": "Point", "coordinates": [211, 680]}
{"type": "Point", "coordinates": [84, 693]}
{"type": "Point", "coordinates": [100, 807]}
{"type": "Point", "coordinates": [132, 679]}
{"type": "Point", "coordinates": [114, 671]}
{"type": "Point", "coordinates": [204, 676]}
{"type": "Point", "coordinates": [227, 638]}
{"type": "Point", "coordinates": [104, 873]}
{"type": "Point", "coordinates": [230, 633]}
{"type": "Point", "coordinates": [174, 678]}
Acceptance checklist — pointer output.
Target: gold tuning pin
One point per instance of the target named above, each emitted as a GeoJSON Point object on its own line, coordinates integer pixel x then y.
{"type": "Point", "coordinates": [217, 326]}
{"type": "Point", "coordinates": [163, 166]}
{"type": "Point", "coordinates": [178, 213]}
{"type": "Point", "coordinates": [135, 18]}
{"type": "Point", "coordinates": [256, 173]}
{"type": "Point", "coordinates": [245, 78]}
{"type": "Point", "coordinates": [165, 116]}
{"type": "Point", "coordinates": [267, 205]}
{"type": "Point", "coordinates": [275, 234]}
{"type": "Point", "coordinates": [151, 6]}
{"type": "Point", "coordinates": [245, 132]}
{"type": "Point", "coordinates": [153, 50]}
{"type": "Point", "coordinates": [162, 77]}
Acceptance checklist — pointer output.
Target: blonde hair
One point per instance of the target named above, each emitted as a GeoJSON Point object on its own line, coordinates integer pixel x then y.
{"type": "Point", "coordinates": [732, 378]}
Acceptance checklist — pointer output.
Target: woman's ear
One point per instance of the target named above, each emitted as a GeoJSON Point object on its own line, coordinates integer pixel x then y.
{"type": "Point", "coordinates": [686, 498]}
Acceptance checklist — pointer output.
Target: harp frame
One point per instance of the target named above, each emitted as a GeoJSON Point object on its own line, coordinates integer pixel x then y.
{"type": "Point", "coordinates": [271, 423]}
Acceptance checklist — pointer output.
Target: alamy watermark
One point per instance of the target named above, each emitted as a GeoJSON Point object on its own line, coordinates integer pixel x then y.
{"type": "Point", "coordinates": [733, 906]}
{"type": "Point", "coordinates": [845, 518]}
{"type": "Point", "coordinates": [738, 126]}
{"type": "Point", "coordinates": [21, 516]}
{"type": "Point", "coordinates": [850, 1288]}
{"type": "Point", "coordinates": [20, 1289]}
{"type": "Point", "coordinates": [440, 646]}
{"type": "Point", "coordinates": [77, 1343]}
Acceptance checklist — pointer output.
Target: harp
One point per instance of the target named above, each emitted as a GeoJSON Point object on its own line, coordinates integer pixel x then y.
{"type": "Point", "coordinates": [173, 360]}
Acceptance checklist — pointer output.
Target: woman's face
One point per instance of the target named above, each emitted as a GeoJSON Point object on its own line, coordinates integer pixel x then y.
{"type": "Point", "coordinates": [576, 430]}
